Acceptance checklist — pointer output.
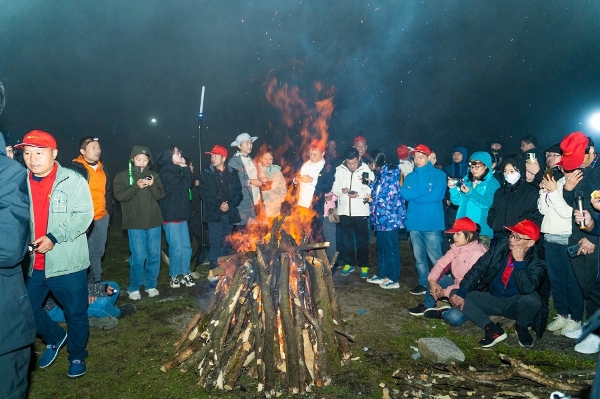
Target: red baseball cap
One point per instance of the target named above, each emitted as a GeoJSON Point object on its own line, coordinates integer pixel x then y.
{"type": "Point", "coordinates": [38, 138]}
{"type": "Point", "coordinates": [402, 151]}
{"type": "Point", "coordinates": [358, 139]}
{"type": "Point", "coordinates": [218, 150]}
{"type": "Point", "coordinates": [318, 144]}
{"type": "Point", "coordinates": [573, 150]}
{"type": "Point", "coordinates": [462, 224]}
{"type": "Point", "coordinates": [422, 148]}
{"type": "Point", "coordinates": [526, 227]}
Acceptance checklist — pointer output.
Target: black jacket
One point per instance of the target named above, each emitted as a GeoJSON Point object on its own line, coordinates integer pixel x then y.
{"type": "Point", "coordinates": [324, 184]}
{"type": "Point", "coordinates": [513, 203]}
{"type": "Point", "coordinates": [108, 191]}
{"type": "Point", "coordinates": [211, 199]}
{"type": "Point", "coordinates": [177, 182]}
{"type": "Point", "coordinates": [18, 327]}
{"type": "Point", "coordinates": [528, 280]}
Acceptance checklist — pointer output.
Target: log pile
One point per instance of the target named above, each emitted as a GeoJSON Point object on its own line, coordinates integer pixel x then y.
{"type": "Point", "coordinates": [274, 316]}
{"type": "Point", "coordinates": [514, 379]}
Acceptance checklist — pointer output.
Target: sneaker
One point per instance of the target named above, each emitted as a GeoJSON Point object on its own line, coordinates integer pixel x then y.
{"type": "Point", "coordinates": [571, 325]}
{"type": "Point", "coordinates": [434, 313]}
{"type": "Point", "coordinates": [389, 285]}
{"type": "Point", "coordinates": [375, 279]}
{"type": "Point", "coordinates": [525, 338]}
{"type": "Point", "coordinates": [103, 323]}
{"type": "Point", "coordinates": [347, 270]}
{"type": "Point", "coordinates": [559, 322]}
{"type": "Point", "coordinates": [418, 290]}
{"type": "Point", "coordinates": [49, 355]}
{"type": "Point", "coordinates": [127, 309]}
{"type": "Point", "coordinates": [493, 334]}
{"type": "Point", "coordinates": [152, 292]}
{"type": "Point", "coordinates": [135, 296]}
{"type": "Point", "coordinates": [589, 345]}
{"type": "Point", "coordinates": [418, 310]}
{"type": "Point", "coordinates": [175, 282]}
{"type": "Point", "coordinates": [188, 281]}
{"type": "Point", "coordinates": [76, 368]}
{"type": "Point", "coordinates": [212, 279]}
{"type": "Point", "coordinates": [364, 272]}
{"type": "Point", "coordinates": [575, 334]}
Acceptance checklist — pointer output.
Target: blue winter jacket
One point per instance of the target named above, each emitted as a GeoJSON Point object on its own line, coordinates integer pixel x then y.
{"type": "Point", "coordinates": [387, 205]}
{"type": "Point", "coordinates": [458, 170]}
{"type": "Point", "coordinates": [477, 202]}
{"type": "Point", "coordinates": [424, 189]}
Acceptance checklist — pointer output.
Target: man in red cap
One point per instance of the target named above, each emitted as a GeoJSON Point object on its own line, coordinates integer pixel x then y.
{"type": "Point", "coordinates": [579, 161]}
{"type": "Point", "coordinates": [424, 189]}
{"type": "Point", "coordinates": [221, 192]}
{"type": "Point", "coordinates": [360, 143]}
{"type": "Point", "coordinates": [61, 212]}
{"type": "Point", "coordinates": [404, 163]}
{"type": "Point", "coordinates": [505, 282]}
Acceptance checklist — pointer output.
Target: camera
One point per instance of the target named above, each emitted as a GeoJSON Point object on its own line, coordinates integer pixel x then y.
{"type": "Point", "coordinates": [456, 182]}
{"type": "Point", "coordinates": [32, 247]}
{"type": "Point", "coordinates": [365, 178]}
{"type": "Point", "coordinates": [148, 177]}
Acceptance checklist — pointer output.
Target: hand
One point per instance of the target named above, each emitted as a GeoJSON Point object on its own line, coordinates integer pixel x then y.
{"type": "Point", "coordinates": [585, 247]}
{"type": "Point", "coordinates": [532, 167]}
{"type": "Point", "coordinates": [464, 188]}
{"type": "Point", "coordinates": [328, 197]}
{"type": "Point", "coordinates": [255, 182]}
{"type": "Point", "coordinates": [368, 198]}
{"type": "Point", "coordinates": [457, 302]}
{"type": "Point", "coordinates": [150, 181]}
{"type": "Point", "coordinates": [305, 179]}
{"type": "Point", "coordinates": [141, 183]}
{"type": "Point", "coordinates": [451, 183]}
{"type": "Point", "coordinates": [548, 183]}
{"type": "Point", "coordinates": [518, 253]}
{"type": "Point", "coordinates": [91, 299]}
{"type": "Point", "coordinates": [579, 217]}
{"type": "Point", "coordinates": [110, 291]}
{"type": "Point", "coordinates": [435, 290]}
{"type": "Point", "coordinates": [44, 244]}
{"type": "Point", "coordinates": [596, 203]}
{"type": "Point", "coordinates": [352, 195]}
{"type": "Point", "coordinates": [573, 179]}
{"type": "Point", "coordinates": [224, 207]}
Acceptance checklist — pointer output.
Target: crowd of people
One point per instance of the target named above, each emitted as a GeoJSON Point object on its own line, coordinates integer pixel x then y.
{"type": "Point", "coordinates": [491, 234]}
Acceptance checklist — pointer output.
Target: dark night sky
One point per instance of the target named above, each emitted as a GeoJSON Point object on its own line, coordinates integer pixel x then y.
{"type": "Point", "coordinates": [439, 72]}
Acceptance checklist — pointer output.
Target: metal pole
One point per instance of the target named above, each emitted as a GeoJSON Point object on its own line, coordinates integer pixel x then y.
{"type": "Point", "coordinates": [200, 248]}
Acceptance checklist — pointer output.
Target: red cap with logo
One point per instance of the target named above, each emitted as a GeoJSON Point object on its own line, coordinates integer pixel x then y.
{"type": "Point", "coordinates": [573, 150]}
{"type": "Point", "coordinates": [462, 224]}
{"type": "Point", "coordinates": [526, 227]}
{"type": "Point", "coordinates": [422, 148]}
{"type": "Point", "coordinates": [402, 151]}
{"type": "Point", "coordinates": [318, 144]}
{"type": "Point", "coordinates": [218, 150]}
{"type": "Point", "coordinates": [358, 139]}
{"type": "Point", "coordinates": [38, 138]}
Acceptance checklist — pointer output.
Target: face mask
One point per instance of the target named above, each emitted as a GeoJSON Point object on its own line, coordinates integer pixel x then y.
{"type": "Point", "coordinates": [512, 178]}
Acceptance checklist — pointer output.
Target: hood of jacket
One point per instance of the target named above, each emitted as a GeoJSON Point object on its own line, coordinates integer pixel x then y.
{"type": "Point", "coordinates": [463, 151]}
{"type": "Point", "coordinates": [164, 157]}
{"type": "Point", "coordinates": [518, 162]}
{"type": "Point", "coordinates": [482, 156]}
{"type": "Point", "coordinates": [2, 144]}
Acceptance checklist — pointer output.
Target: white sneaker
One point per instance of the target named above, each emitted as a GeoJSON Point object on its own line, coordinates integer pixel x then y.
{"type": "Point", "coordinates": [152, 292]}
{"type": "Point", "coordinates": [590, 345]}
{"type": "Point", "coordinates": [385, 281]}
{"type": "Point", "coordinates": [389, 285]}
{"type": "Point", "coordinates": [573, 334]}
{"type": "Point", "coordinates": [375, 279]}
{"type": "Point", "coordinates": [571, 325]}
{"type": "Point", "coordinates": [212, 279]}
{"type": "Point", "coordinates": [135, 296]}
{"type": "Point", "coordinates": [559, 322]}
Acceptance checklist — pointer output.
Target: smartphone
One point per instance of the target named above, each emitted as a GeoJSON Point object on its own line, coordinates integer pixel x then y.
{"type": "Point", "coordinates": [572, 250]}
{"type": "Point", "coordinates": [531, 156]}
{"type": "Point", "coordinates": [365, 178]}
{"type": "Point", "coordinates": [148, 177]}
{"type": "Point", "coordinates": [351, 192]}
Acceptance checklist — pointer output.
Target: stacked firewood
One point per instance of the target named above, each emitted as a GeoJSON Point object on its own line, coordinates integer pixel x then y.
{"type": "Point", "coordinates": [274, 315]}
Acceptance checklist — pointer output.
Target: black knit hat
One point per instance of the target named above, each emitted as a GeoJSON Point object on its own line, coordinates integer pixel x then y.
{"type": "Point", "coordinates": [555, 149]}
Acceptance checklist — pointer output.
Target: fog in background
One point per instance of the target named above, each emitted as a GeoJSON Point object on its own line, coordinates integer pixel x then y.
{"type": "Point", "coordinates": [444, 73]}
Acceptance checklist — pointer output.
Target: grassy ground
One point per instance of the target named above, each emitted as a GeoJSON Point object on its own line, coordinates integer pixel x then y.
{"type": "Point", "coordinates": [124, 362]}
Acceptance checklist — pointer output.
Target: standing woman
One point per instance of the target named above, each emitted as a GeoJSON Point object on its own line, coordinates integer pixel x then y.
{"type": "Point", "coordinates": [176, 178]}
{"type": "Point", "coordinates": [273, 189]}
{"type": "Point", "coordinates": [139, 189]}
{"type": "Point", "coordinates": [387, 217]}
{"type": "Point", "coordinates": [475, 195]}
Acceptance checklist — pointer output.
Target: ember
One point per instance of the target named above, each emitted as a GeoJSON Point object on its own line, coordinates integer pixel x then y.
{"type": "Point", "coordinates": [274, 315]}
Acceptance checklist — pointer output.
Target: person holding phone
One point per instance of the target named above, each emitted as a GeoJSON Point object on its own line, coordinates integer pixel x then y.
{"type": "Point", "coordinates": [557, 228]}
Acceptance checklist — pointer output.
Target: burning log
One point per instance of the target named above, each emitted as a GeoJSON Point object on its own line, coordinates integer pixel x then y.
{"type": "Point", "coordinates": [274, 316]}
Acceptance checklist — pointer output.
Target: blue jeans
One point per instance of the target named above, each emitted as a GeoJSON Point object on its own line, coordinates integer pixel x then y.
{"type": "Point", "coordinates": [388, 255]}
{"type": "Point", "coordinates": [218, 233]}
{"type": "Point", "coordinates": [566, 293]}
{"type": "Point", "coordinates": [425, 244]}
{"type": "Point", "coordinates": [97, 244]}
{"type": "Point", "coordinates": [454, 316]}
{"type": "Point", "coordinates": [70, 290]}
{"type": "Point", "coordinates": [144, 262]}
{"type": "Point", "coordinates": [180, 250]}
{"type": "Point", "coordinates": [329, 232]}
{"type": "Point", "coordinates": [103, 306]}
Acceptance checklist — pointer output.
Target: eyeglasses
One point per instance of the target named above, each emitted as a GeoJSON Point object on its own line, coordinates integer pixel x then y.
{"type": "Point", "coordinates": [476, 166]}
{"type": "Point", "coordinates": [552, 155]}
{"type": "Point", "coordinates": [518, 238]}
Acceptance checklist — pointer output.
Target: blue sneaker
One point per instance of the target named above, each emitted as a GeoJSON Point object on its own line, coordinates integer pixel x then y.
{"type": "Point", "coordinates": [76, 368]}
{"type": "Point", "coordinates": [364, 272]}
{"type": "Point", "coordinates": [51, 352]}
{"type": "Point", "coordinates": [347, 270]}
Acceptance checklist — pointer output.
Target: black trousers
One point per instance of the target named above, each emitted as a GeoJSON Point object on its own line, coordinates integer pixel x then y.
{"type": "Point", "coordinates": [351, 230]}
